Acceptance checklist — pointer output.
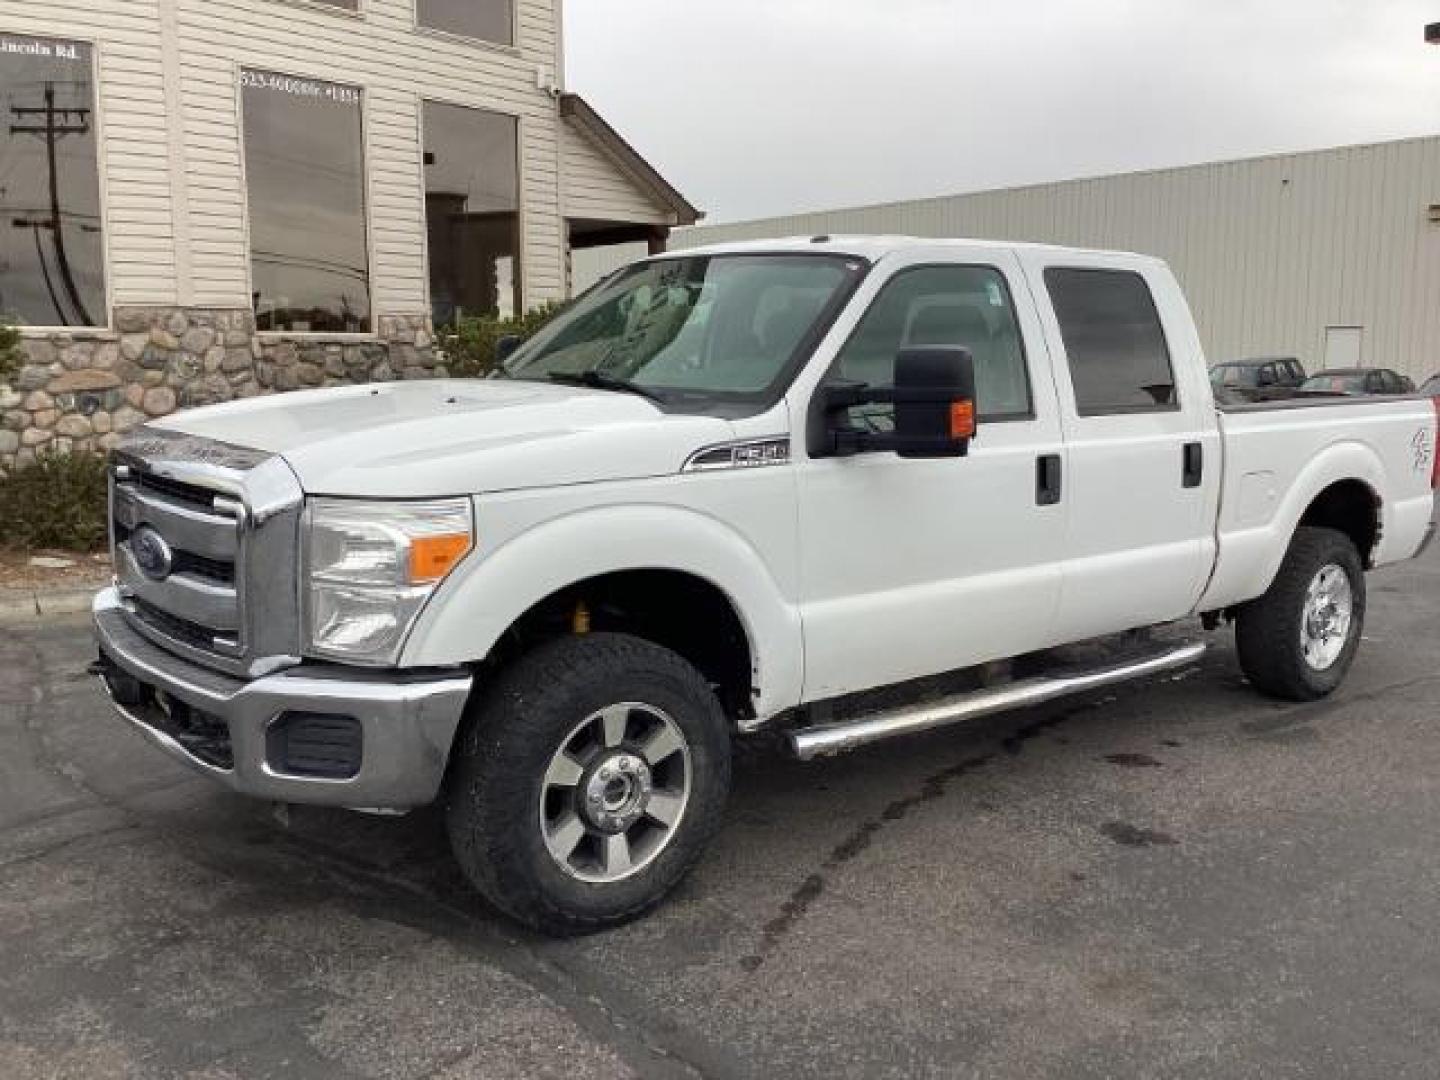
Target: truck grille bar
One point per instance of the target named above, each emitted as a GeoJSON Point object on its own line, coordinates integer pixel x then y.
{"type": "Point", "coordinates": [189, 519]}
{"type": "Point", "coordinates": [196, 536]}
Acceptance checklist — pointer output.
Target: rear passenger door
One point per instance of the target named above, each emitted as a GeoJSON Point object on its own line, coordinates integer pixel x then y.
{"type": "Point", "coordinates": [1142, 447]}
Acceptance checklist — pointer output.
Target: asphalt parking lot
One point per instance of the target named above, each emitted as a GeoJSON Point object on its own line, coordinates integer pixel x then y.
{"type": "Point", "coordinates": [1177, 879]}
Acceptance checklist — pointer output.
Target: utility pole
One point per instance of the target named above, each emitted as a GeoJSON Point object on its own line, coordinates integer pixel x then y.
{"type": "Point", "coordinates": [56, 125]}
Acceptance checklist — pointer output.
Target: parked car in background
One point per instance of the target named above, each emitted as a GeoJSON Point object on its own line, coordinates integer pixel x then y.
{"type": "Point", "coordinates": [1261, 378]}
{"type": "Point", "coordinates": [1431, 386]}
{"type": "Point", "coordinates": [1357, 382]}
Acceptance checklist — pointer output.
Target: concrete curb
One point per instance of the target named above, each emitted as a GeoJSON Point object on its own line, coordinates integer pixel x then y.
{"type": "Point", "coordinates": [31, 605]}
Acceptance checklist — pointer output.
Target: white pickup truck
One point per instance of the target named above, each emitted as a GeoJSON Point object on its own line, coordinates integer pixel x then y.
{"type": "Point", "coordinates": [730, 490]}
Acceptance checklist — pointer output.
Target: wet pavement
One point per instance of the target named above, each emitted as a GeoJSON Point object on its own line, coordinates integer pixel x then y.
{"type": "Point", "coordinates": [1178, 878]}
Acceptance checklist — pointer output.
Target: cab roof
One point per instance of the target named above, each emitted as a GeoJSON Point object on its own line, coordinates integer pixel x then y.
{"type": "Point", "coordinates": [875, 248]}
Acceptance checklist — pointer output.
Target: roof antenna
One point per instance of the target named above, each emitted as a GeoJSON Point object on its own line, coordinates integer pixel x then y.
{"type": "Point", "coordinates": [820, 239]}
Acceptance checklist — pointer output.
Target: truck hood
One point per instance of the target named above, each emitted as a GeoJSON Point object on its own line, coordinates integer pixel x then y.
{"type": "Point", "coordinates": [451, 437]}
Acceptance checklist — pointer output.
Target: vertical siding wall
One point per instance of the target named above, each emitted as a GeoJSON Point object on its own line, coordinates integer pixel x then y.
{"type": "Point", "coordinates": [398, 66]}
{"type": "Point", "coordinates": [172, 177]}
{"type": "Point", "coordinates": [1270, 250]}
{"type": "Point", "coordinates": [596, 189]}
{"type": "Point", "coordinates": [136, 195]}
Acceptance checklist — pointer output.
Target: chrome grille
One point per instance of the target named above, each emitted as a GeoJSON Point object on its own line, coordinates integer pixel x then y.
{"type": "Point", "coordinates": [198, 534]}
{"type": "Point", "coordinates": [225, 593]}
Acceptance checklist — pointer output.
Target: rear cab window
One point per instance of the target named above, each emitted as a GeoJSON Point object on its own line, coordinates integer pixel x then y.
{"type": "Point", "coordinates": [1115, 344]}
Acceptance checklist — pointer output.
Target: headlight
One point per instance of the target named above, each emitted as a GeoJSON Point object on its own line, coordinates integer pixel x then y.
{"type": "Point", "coordinates": [370, 568]}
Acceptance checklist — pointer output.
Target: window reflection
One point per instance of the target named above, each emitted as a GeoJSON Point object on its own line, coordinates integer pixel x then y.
{"type": "Point", "coordinates": [52, 262]}
{"type": "Point", "coordinates": [472, 212]}
{"type": "Point", "coordinates": [304, 170]}
{"type": "Point", "coordinates": [488, 20]}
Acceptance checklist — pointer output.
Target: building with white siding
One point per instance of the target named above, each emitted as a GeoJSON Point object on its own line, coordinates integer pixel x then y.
{"type": "Point", "coordinates": [1332, 256]}
{"type": "Point", "coordinates": [202, 199]}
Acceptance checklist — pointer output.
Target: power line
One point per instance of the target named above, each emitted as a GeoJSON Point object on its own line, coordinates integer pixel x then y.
{"type": "Point", "coordinates": [59, 121]}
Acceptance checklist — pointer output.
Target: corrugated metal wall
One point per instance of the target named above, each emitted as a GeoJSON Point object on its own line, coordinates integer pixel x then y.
{"type": "Point", "coordinates": [1271, 251]}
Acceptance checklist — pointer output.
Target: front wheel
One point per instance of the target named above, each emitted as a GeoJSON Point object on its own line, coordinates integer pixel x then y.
{"type": "Point", "coordinates": [587, 781]}
{"type": "Point", "coordinates": [1298, 640]}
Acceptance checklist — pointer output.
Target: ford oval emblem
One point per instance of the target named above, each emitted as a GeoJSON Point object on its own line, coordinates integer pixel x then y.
{"type": "Point", "coordinates": [152, 553]}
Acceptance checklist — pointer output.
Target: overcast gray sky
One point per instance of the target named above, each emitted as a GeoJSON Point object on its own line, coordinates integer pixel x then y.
{"type": "Point", "coordinates": [761, 107]}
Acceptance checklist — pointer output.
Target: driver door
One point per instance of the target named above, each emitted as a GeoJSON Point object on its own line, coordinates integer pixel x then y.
{"type": "Point", "coordinates": [911, 567]}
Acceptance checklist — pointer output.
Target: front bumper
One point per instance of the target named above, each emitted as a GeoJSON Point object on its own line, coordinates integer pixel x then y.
{"type": "Point", "coordinates": [404, 721]}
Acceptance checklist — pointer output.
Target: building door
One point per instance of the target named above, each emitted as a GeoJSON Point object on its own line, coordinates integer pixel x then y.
{"type": "Point", "coordinates": [1342, 346]}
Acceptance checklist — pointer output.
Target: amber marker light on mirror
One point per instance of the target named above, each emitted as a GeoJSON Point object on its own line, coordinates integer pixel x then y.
{"type": "Point", "coordinates": [962, 419]}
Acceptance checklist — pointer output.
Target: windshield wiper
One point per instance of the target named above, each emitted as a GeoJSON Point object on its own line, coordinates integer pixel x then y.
{"type": "Point", "coordinates": [598, 380]}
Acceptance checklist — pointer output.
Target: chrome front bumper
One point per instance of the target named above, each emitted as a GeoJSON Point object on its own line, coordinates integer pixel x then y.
{"type": "Point", "coordinates": [406, 721]}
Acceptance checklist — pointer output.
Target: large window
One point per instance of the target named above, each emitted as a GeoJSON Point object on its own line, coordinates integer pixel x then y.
{"type": "Point", "coordinates": [52, 253]}
{"type": "Point", "coordinates": [1114, 342]}
{"type": "Point", "coordinates": [488, 20]}
{"type": "Point", "coordinates": [472, 212]}
{"type": "Point", "coordinates": [966, 306]}
{"type": "Point", "coordinates": [305, 173]}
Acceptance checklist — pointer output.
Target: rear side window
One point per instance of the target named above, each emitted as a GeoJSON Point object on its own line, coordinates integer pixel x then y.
{"type": "Point", "coordinates": [1119, 362]}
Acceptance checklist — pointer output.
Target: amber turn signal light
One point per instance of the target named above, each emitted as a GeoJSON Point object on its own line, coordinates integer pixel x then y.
{"type": "Point", "coordinates": [432, 557]}
{"type": "Point", "coordinates": [962, 419]}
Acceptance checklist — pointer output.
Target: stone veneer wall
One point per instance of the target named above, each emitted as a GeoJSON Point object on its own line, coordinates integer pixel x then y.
{"type": "Point", "coordinates": [79, 390]}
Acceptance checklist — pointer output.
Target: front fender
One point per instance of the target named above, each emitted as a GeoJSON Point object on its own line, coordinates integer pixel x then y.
{"type": "Point", "coordinates": [475, 606]}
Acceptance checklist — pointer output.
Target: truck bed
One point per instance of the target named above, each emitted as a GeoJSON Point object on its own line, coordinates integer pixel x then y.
{"type": "Point", "coordinates": [1279, 456]}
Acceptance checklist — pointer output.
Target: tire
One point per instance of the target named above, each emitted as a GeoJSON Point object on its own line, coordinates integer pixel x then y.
{"type": "Point", "coordinates": [586, 727]}
{"type": "Point", "coordinates": [1271, 632]}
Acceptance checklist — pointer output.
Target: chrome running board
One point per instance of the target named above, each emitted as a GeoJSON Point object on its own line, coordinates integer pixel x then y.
{"type": "Point", "coordinates": [808, 743]}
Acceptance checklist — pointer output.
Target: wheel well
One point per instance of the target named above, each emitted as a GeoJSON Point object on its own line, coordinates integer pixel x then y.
{"type": "Point", "coordinates": [682, 612]}
{"type": "Point", "coordinates": [1351, 507]}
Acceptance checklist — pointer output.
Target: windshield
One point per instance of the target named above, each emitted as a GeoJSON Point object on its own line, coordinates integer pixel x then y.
{"type": "Point", "coordinates": [695, 332]}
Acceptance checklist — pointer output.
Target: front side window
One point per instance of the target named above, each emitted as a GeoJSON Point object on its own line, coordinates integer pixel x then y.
{"type": "Point", "coordinates": [1115, 345]}
{"type": "Point", "coordinates": [52, 251]}
{"type": "Point", "coordinates": [488, 20]}
{"type": "Point", "coordinates": [965, 306]}
{"type": "Point", "coordinates": [704, 333]}
{"type": "Point", "coordinates": [472, 212]}
{"type": "Point", "coordinates": [305, 178]}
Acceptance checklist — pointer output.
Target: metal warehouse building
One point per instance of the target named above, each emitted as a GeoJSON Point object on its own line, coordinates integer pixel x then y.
{"type": "Point", "coordinates": [1331, 256]}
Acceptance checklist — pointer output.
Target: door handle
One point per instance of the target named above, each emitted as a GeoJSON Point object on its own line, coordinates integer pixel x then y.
{"type": "Point", "coordinates": [1193, 470]}
{"type": "Point", "coordinates": [1047, 479]}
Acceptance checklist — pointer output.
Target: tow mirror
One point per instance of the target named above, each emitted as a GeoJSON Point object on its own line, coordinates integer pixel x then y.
{"type": "Point", "coordinates": [934, 400]}
{"type": "Point", "coordinates": [505, 347]}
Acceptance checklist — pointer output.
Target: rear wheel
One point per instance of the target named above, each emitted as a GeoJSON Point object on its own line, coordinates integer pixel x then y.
{"type": "Point", "coordinates": [587, 782]}
{"type": "Point", "coordinates": [1298, 640]}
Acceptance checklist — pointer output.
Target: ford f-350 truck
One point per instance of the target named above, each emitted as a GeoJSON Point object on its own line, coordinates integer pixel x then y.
{"type": "Point", "coordinates": [837, 489]}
